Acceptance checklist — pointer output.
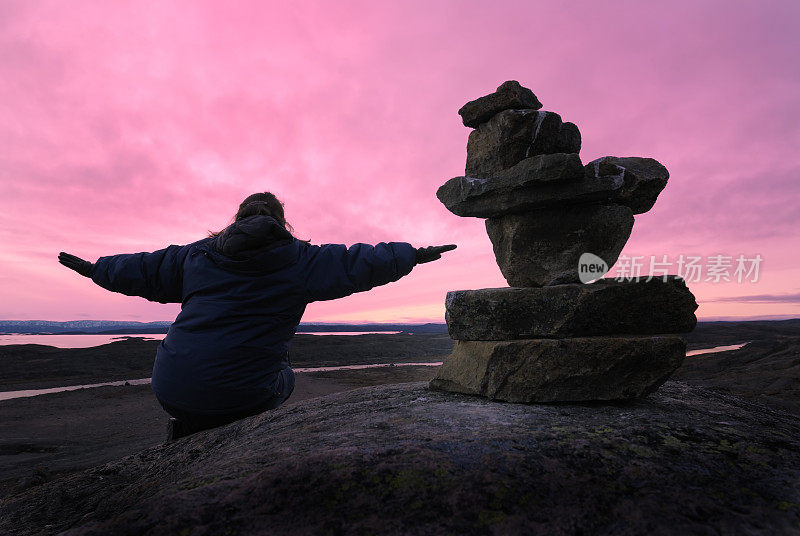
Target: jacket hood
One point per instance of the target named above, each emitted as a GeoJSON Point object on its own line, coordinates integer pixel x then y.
{"type": "Point", "coordinates": [253, 244]}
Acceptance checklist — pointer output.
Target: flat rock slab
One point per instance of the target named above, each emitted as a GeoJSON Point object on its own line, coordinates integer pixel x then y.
{"type": "Point", "coordinates": [579, 369]}
{"type": "Point", "coordinates": [404, 459]}
{"type": "Point", "coordinates": [605, 307]}
{"type": "Point", "coordinates": [509, 95]}
{"type": "Point", "coordinates": [513, 135]}
{"type": "Point", "coordinates": [515, 189]}
{"type": "Point", "coordinates": [554, 180]}
{"type": "Point", "coordinates": [543, 247]}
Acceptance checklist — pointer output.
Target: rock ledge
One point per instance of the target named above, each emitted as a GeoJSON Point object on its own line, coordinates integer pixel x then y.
{"type": "Point", "coordinates": [407, 460]}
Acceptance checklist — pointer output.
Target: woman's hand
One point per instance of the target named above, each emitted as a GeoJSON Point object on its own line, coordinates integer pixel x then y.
{"type": "Point", "coordinates": [432, 253]}
{"type": "Point", "coordinates": [76, 263]}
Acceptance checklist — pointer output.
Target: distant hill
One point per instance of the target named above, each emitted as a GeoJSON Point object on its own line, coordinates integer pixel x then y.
{"type": "Point", "coordinates": [117, 327]}
{"type": "Point", "coordinates": [705, 335]}
{"type": "Point", "coordinates": [80, 326]}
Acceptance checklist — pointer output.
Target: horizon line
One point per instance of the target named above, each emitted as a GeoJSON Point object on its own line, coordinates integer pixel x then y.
{"type": "Point", "coordinates": [414, 322]}
{"type": "Point", "coordinates": [353, 323]}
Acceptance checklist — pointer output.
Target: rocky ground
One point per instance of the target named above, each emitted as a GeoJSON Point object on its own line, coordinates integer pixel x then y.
{"type": "Point", "coordinates": [44, 437]}
{"type": "Point", "coordinates": [708, 334]}
{"type": "Point", "coordinates": [766, 371]}
{"type": "Point", "coordinates": [404, 459]}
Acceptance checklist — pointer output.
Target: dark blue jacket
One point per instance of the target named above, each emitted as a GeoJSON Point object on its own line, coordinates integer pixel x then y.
{"type": "Point", "coordinates": [242, 294]}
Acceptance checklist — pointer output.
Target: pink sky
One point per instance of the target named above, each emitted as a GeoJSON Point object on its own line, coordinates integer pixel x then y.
{"type": "Point", "coordinates": [126, 128]}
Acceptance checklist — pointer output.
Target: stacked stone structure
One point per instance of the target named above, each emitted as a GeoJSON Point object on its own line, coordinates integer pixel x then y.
{"type": "Point", "coordinates": [548, 337]}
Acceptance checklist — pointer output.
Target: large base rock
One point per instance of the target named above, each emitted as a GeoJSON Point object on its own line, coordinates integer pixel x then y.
{"type": "Point", "coordinates": [513, 135]}
{"type": "Point", "coordinates": [543, 247]}
{"type": "Point", "coordinates": [561, 370]}
{"type": "Point", "coordinates": [605, 307]}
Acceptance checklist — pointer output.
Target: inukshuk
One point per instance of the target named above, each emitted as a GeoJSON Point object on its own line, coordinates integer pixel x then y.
{"type": "Point", "coordinates": [548, 337]}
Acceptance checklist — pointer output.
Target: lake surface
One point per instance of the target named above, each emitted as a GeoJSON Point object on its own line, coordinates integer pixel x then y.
{"type": "Point", "coordinates": [715, 349]}
{"type": "Point", "coordinates": [73, 341]}
{"type": "Point", "coordinates": [87, 341]}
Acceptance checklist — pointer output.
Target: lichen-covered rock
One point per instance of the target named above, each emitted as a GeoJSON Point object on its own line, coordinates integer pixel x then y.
{"type": "Point", "coordinates": [543, 247]}
{"type": "Point", "coordinates": [579, 369]}
{"type": "Point", "coordinates": [404, 459]}
{"type": "Point", "coordinates": [513, 135]}
{"type": "Point", "coordinates": [516, 188]}
{"type": "Point", "coordinates": [605, 307]}
{"type": "Point", "coordinates": [509, 95]}
{"type": "Point", "coordinates": [642, 180]}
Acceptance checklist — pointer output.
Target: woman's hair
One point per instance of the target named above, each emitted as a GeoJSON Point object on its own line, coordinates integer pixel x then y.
{"type": "Point", "coordinates": [264, 203]}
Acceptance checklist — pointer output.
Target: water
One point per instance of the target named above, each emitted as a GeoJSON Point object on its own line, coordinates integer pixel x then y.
{"type": "Point", "coordinates": [348, 332]}
{"type": "Point", "coordinates": [87, 341]}
{"type": "Point", "coordinates": [375, 365]}
{"type": "Point", "coordinates": [8, 395]}
{"type": "Point", "coordinates": [73, 341]}
{"type": "Point", "coordinates": [715, 349]}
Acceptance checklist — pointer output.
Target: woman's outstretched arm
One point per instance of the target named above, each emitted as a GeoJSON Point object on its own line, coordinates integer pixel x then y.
{"type": "Point", "coordinates": [334, 270]}
{"type": "Point", "coordinates": [156, 276]}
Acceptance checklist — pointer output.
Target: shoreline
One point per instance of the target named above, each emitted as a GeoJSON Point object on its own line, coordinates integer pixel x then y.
{"type": "Point", "coordinates": [100, 382]}
{"type": "Point", "coordinates": [27, 393]}
{"type": "Point", "coordinates": [29, 366]}
{"type": "Point", "coordinates": [9, 381]}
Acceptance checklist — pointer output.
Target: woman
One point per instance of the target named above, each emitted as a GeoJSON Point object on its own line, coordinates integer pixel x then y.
{"type": "Point", "coordinates": [242, 292]}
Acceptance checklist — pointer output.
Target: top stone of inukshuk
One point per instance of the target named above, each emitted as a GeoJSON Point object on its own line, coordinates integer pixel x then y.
{"type": "Point", "coordinates": [547, 337]}
{"type": "Point", "coordinates": [544, 208]}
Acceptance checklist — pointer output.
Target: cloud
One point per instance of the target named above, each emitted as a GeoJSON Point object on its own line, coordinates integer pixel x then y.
{"type": "Point", "coordinates": [760, 298]}
{"type": "Point", "coordinates": [746, 318]}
